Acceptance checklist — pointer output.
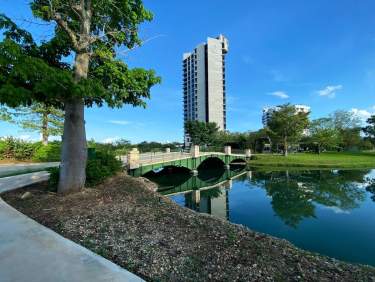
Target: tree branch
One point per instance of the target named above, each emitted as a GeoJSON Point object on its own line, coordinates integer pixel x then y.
{"type": "Point", "coordinates": [63, 24]}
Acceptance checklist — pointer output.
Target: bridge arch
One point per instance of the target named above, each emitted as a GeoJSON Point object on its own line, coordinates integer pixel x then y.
{"type": "Point", "coordinates": [141, 171]}
{"type": "Point", "coordinates": [210, 162]}
{"type": "Point", "coordinates": [238, 161]}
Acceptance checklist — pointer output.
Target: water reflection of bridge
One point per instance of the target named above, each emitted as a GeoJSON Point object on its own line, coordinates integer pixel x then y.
{"type": "Point", "coordinates": [196, 183]}
{"type": "Point", "coordinates": [208, 196]}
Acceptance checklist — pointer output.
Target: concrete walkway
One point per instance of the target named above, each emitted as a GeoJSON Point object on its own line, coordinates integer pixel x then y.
{"type": "Point", "coordinates": [10, 169]}
{"type": "Point", "coordinates": [22, 180]}
{"type": "Point", "coordinates": [31, 252]}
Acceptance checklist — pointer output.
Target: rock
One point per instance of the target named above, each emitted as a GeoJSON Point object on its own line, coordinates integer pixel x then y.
{"type": "Point", "coordinates": [26, 195]}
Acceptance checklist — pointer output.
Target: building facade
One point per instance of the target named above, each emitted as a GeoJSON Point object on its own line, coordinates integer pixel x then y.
{"type": "Point", "coordinates": [268, 111]}
{"type": "Point", "coordinates": [204, 83]}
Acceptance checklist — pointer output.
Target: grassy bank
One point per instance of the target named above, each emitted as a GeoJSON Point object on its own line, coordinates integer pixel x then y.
{"type": "Point", "coordinates": [127, 222]}
{"type": "Point", "coordinates": [323, 160]}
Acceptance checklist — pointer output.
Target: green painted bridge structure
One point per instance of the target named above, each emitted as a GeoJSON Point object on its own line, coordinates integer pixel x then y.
{"type": "Point", "coordinates": [184, 160]}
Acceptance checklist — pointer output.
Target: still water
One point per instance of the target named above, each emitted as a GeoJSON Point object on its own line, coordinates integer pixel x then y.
{"type": "Point", "coordinates": [331, 212]}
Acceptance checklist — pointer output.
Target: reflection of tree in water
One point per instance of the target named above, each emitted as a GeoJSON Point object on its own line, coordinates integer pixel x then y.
{"type": "Point", "coordinates": [210, 175]}
{"type": "Point", "coordinates": [370, 187]}
{"type": "Point", "coordinates": [339, 189]}
{"type": "Point", "coordinates": [289, 200]}
{"type": "Point", "coordinates": [294, 193]}
{"type": "Point", "coordinates": [211, 193]}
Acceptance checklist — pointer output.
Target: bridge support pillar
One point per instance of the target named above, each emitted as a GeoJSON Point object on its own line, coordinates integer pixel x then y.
{"type": "Point", "coordinates": [249, 175]}
{"type": "Point", "coordinates": [228, 184]}
{"type": "Point", "coordinates": [228, 150]}
{"type": "Point", "coordinates": [248, 153]}
{"type": "Point", "coordinates": [194, 172]}
{"type": "Point", "coordinates": [227, 166]}
{"type": "Point", "coordinates": [194, 151]}
{"type": "Point", "coordinates": [196, 195]}
{"type": "Point", "coordinates": [133, 159]}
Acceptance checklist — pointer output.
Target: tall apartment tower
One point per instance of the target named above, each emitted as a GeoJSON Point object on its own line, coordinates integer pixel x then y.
{"type": "Point", "coordinates": [204, 83]}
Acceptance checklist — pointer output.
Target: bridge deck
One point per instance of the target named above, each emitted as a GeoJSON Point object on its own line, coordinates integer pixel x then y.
{"type": "Point", "coordinates": [160, 157]}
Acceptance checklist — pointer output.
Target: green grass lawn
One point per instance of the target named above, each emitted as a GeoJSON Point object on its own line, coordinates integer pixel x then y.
{"type": "Point", "coordinates": [324, 160]}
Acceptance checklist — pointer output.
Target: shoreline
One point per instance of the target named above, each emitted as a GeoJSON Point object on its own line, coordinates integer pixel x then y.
{"type": "Point", "coordinates": [127, 222]}
{"type": "Point", "coordinates": [328, 160]}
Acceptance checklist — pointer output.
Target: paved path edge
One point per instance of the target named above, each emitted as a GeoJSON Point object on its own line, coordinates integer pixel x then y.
{"type": "Point", "coordinates": [27, 229]}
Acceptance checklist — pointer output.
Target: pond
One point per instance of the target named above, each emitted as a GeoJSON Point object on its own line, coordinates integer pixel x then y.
{"type": "Point", "coordinates": [331, 212]}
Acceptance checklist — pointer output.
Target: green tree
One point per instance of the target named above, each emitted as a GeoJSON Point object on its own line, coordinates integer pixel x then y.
{"type": "Point", "coordinates": [349, 128]}
{"type": "Point", "coordinates": [201, 133]}
{"type": "Point", "coordinates": [344, 120]}
{"type": "Point", "coordinates": [369, 130]}
{"type": "Point", "coordinates": [324, 134]}
{"type": "Point", "coordinates": [46, 120]}
{"type": "Point", "coordinates": [93, 31]}
{"type": "Point", "coordinates": [287, 125]}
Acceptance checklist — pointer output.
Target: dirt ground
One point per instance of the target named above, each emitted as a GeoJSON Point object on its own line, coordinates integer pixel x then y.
{"type": "Point", "coordinates": [127, 222]}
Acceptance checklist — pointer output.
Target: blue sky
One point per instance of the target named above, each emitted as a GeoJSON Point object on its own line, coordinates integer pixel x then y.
{"type": "Point", "coordinates": [319, 53]}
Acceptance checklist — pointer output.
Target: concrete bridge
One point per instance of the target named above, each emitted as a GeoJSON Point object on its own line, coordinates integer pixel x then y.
{"type": "Point", "coordinates": [139, 164]}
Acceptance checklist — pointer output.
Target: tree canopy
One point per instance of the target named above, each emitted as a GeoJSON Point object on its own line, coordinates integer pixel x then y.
{"type": "Point", "coordinates": [35, 73]}
{"type": "Point", "coordinates": [46, 120]}
{"type": "Point", "coordinates": [369, 130]}
{"type": "Point", "coordinates": [93, 32]}
{"type": "Point", "coordinates": [287, 124]}
{"type": "Point", "coordinates": [201, 133]}
{"type": "Point", "coordinates": [324, 134]}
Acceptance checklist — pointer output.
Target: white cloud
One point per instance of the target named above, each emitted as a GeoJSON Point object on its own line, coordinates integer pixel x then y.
{"type": "Point", "coordinates": [363, 115]}
{"type": "Point", "coordinates": [280, 94]}
{"type": "Point", "coordinates": [110, 140]}
{"type": "Point", "coordinates": [119, 122]}
{"type": "Point", "coordinates": [329, 91]}
{"type": "Point", "coordinates": [336, 210]}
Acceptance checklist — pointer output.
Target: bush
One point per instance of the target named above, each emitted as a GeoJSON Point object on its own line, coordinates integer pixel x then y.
{"type": "Point", "coordinates": [48, 153]}
{"type": "Point", "coordinates": [102, 166]}
{"type": "Point", "coordinates": [17, 149]}
{"type": "Point", "coordinates": [98, 168]}
{"type": "Point", "coordinates": [53, 181]}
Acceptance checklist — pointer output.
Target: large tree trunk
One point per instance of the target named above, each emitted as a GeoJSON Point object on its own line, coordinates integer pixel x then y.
{"type": "Point", "coordinates": [285, 147]}
{"type": "Point", "coordinates": [74, 147]}
{"type": "Point", "coordinates": [45, 128]}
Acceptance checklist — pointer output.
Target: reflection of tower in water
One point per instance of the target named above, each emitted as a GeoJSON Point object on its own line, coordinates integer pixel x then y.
{"type": "Point", "coordinates": [214, 201]}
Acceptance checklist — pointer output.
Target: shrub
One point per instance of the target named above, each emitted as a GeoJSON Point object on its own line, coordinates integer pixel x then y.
{"type": "Point", "coordinates": [13, 148]}
{"type": "Point", "coordinates": [48, 153]}
{"type": "Point", "coordinates": [102, 166]}
{"type": "Point", "coordinates": [98, 168]}
{"type": "Point", "coordinates": [53, 178]}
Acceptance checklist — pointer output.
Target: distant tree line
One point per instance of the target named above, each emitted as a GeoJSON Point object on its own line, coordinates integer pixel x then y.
{"type": "Point", "coordinates": [287, 129]}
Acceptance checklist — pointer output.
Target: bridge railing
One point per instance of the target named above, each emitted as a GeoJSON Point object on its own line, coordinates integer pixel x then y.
{"type": "Point", "coordinates": [216, 149]}
{"type": "Point", "coordinates": [238, 151]}
{"type": "Point", "coordinates": [161, 157]}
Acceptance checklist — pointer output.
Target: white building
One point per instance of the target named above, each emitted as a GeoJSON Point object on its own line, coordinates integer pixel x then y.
{"type": "Point", "coordinates": [204, 83]}
{"type": "Point", "coordinates": [268, 111]}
